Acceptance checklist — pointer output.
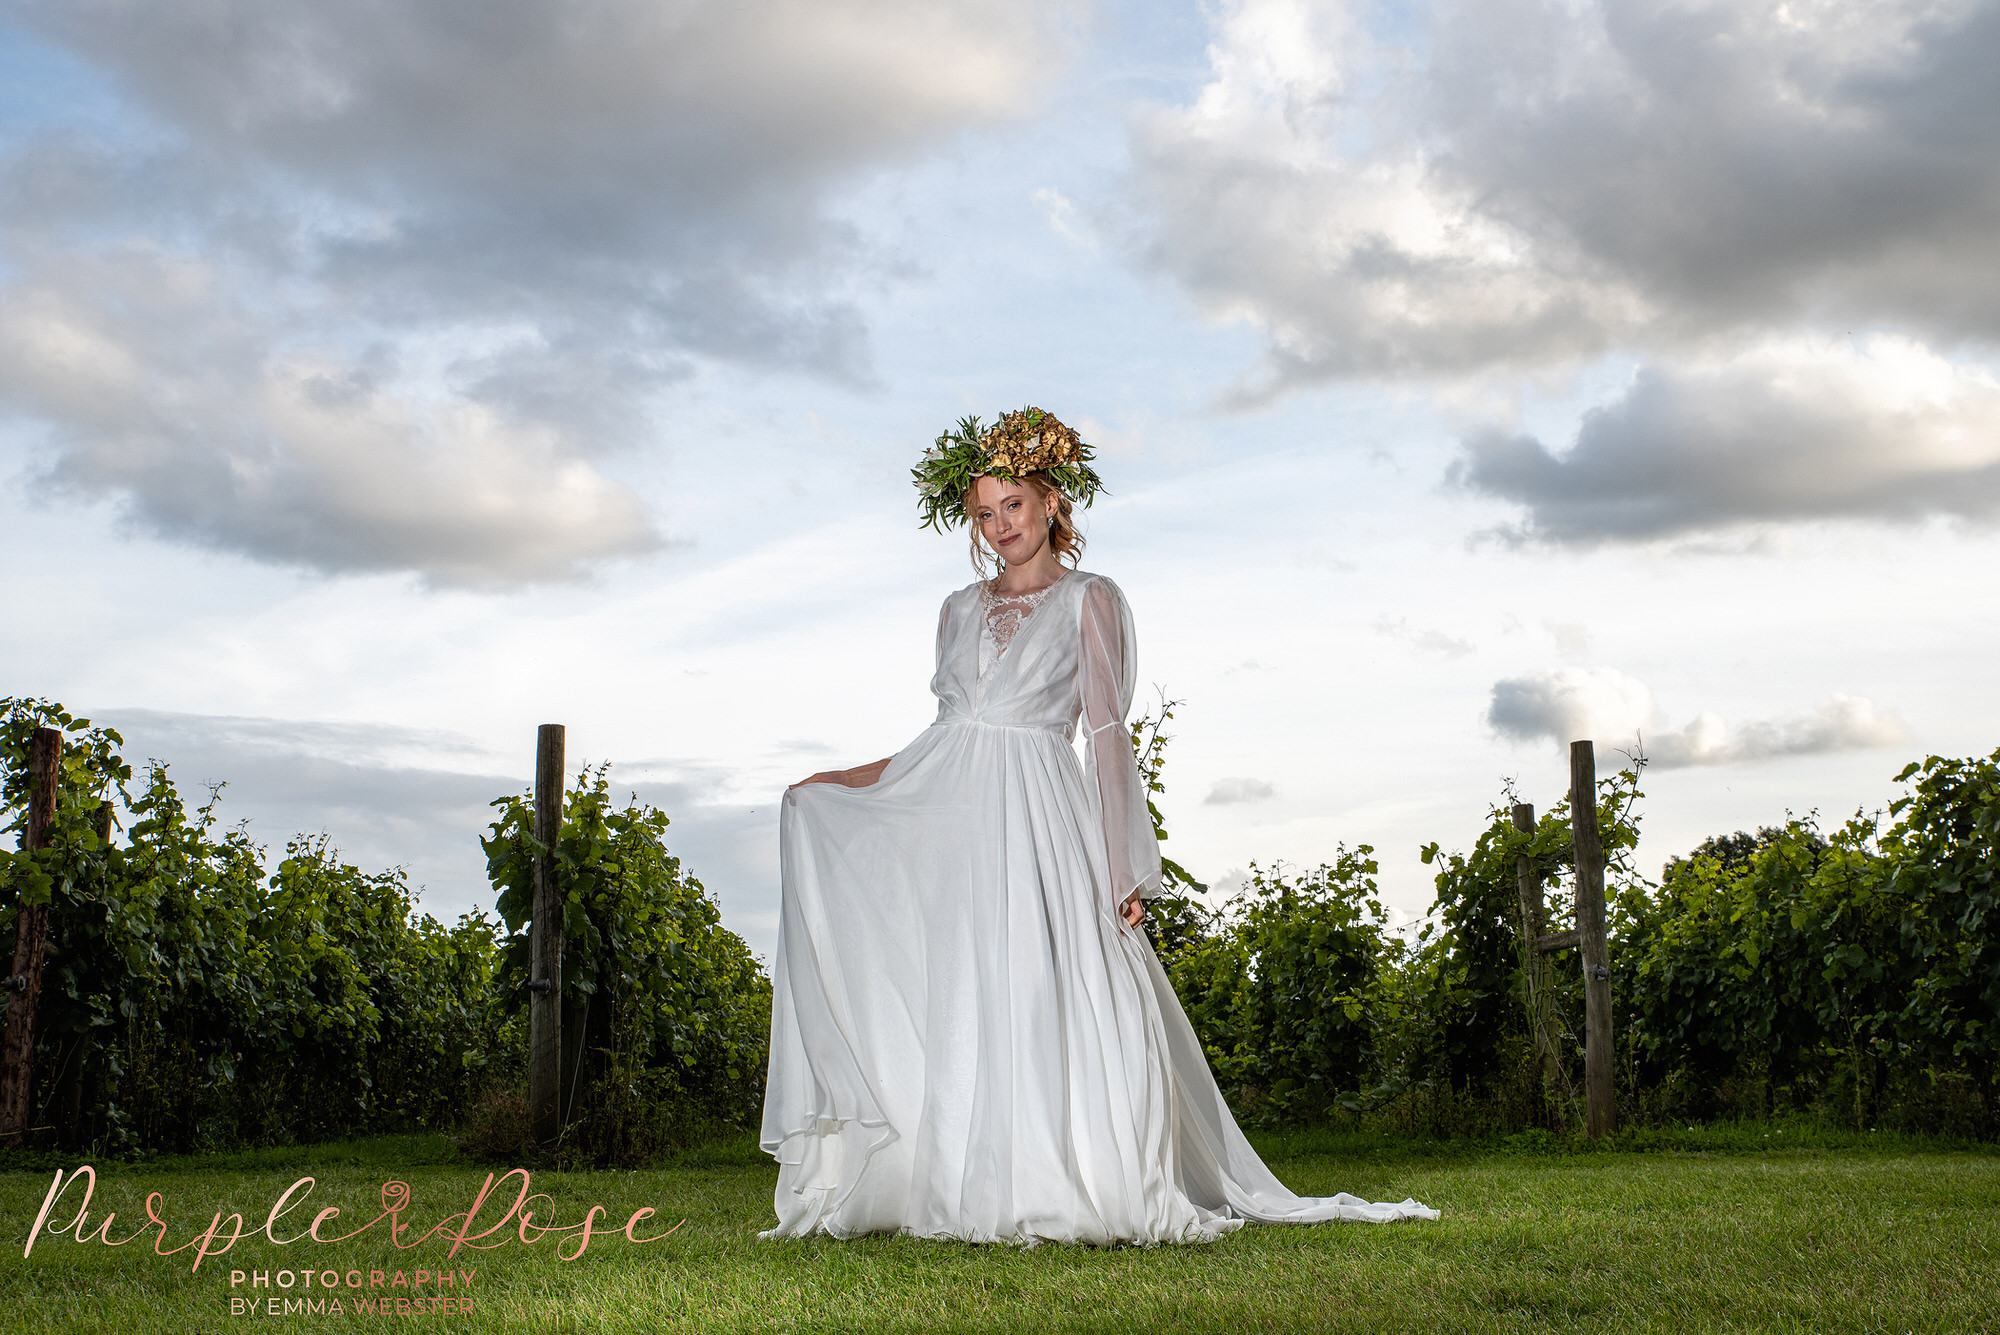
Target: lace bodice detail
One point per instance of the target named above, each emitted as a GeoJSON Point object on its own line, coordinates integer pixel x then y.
{"type": "Point", "coordinates": [1003, 615]}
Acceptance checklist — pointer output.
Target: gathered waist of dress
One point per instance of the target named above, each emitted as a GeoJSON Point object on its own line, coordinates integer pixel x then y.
{"type": "Point", "coordinates": [955, 719]}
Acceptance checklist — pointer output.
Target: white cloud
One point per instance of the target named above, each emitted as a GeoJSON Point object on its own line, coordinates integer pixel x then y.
{"type": "Point", "coordinates": [1226, 792]}
{"type": "Point", "coordinates": [1572, 640]}
{"type": "Point", "coordinates": [156, 396]}
{"type": "Point", "coordinates": [1286, 195]}
{"type": "Point", "coordinates": [379, 285]}
{"type": "Point", "coordinates": [1063, 218]}
{"type": "Point", "coordinates": [1422, 640]}
{"type": "Point", "coordinates": [1569, 704]}
{"type": "Point", "coordinates": [1787, 431]}
{"type": "Point", "coordinates": [1840, 723]}
{"type": "Point", "coordinates": [1509, 184]}
{"type": "Point", "coordinates": [1619, 715]}
{"type": "Point", "coordinates": [1227, 886]}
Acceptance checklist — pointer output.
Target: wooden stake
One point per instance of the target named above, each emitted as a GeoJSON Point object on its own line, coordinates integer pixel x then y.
{"type": "Point", "coordinates": [545, 945]}
{"type": "Point", "coordinates": [1527, 874]}
{"type": "Point", "coordinates": [1600, 1109]}
{"type": "Point", "coordinates": [31, 927]}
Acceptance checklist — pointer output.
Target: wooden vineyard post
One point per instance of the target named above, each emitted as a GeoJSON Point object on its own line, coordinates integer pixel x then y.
{"type": "Point", "coordinates": [545, 944]}
{"type": "Point", "coordinates": [31, 927]}
{"type": "Point", "coordinates": [1540, 980]}
{"type": "Point", "coordinates": [1600, 1115]}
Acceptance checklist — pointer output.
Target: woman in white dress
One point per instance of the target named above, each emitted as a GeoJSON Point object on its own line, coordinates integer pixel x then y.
{"type": "Point", "coordinates": [970, 1034]}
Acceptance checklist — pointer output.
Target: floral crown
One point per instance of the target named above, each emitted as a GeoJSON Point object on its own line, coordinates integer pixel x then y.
{"type": "Point", "coordinates": [1020, 443]}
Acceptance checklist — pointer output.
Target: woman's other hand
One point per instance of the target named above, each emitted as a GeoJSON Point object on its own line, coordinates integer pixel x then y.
{"type": "Point", "coordinates": [1133, 910]}
{"type": "Point", "coordinates": [861, 776]}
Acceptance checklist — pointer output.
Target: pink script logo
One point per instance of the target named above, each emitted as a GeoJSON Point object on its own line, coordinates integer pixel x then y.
{"type": "Point", "coordinates": [572, 1239]}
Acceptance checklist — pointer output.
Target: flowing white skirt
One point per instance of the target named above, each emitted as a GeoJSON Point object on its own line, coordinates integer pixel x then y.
{"type": "Point", "coordinates": [968, 1042]}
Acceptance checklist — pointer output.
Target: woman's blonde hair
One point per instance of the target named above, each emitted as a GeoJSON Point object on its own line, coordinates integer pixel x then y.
{"type": "Point", "coordinates": [1064, 540]}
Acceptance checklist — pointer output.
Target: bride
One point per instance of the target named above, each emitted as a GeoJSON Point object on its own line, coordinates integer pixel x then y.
{"type": "Point", "coordinates": [970, 1034]}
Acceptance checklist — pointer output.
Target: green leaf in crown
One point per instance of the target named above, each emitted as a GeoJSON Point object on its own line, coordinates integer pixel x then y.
{"type": "Point", "coordinates": [1028, 441]}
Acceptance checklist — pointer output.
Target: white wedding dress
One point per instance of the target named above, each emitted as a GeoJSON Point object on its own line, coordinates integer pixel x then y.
{"type": "Point", "coordinates": [967, 1041]}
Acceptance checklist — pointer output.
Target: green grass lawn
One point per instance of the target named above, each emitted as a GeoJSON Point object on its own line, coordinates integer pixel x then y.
{"type": "Point", "coordinates": [1691, 1232]}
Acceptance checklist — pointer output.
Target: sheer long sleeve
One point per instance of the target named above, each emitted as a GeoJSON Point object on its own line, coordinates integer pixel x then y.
{"type": "Point", "coordinates": [1105, 680]}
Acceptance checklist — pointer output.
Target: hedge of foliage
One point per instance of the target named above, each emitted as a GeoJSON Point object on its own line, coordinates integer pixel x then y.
{"type": "Point", "coordinates": [196, 996]}
{"type": "Point", "coordinates": [1851, 977]}
{"type": "Point", "coordinates": [1856, 972]}
{"type": "Point", "coordinates": [1286, 987]}
{"type": "Point", "coordinates": [193, 997]}
{"type": "Point", "coordinates": [667, 1015]}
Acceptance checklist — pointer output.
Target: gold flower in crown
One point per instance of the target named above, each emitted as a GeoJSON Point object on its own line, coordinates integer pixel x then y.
{"type": "Point", "coordinates": [1023, 442]}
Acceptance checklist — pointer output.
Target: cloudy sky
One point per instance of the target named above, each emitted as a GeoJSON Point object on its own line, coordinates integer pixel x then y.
{"type": "Point", "coordinates": [380, 380]}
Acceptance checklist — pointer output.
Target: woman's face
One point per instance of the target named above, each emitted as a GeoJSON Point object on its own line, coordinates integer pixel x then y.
{"type": "Point", "coordinates": [1012, 518]}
